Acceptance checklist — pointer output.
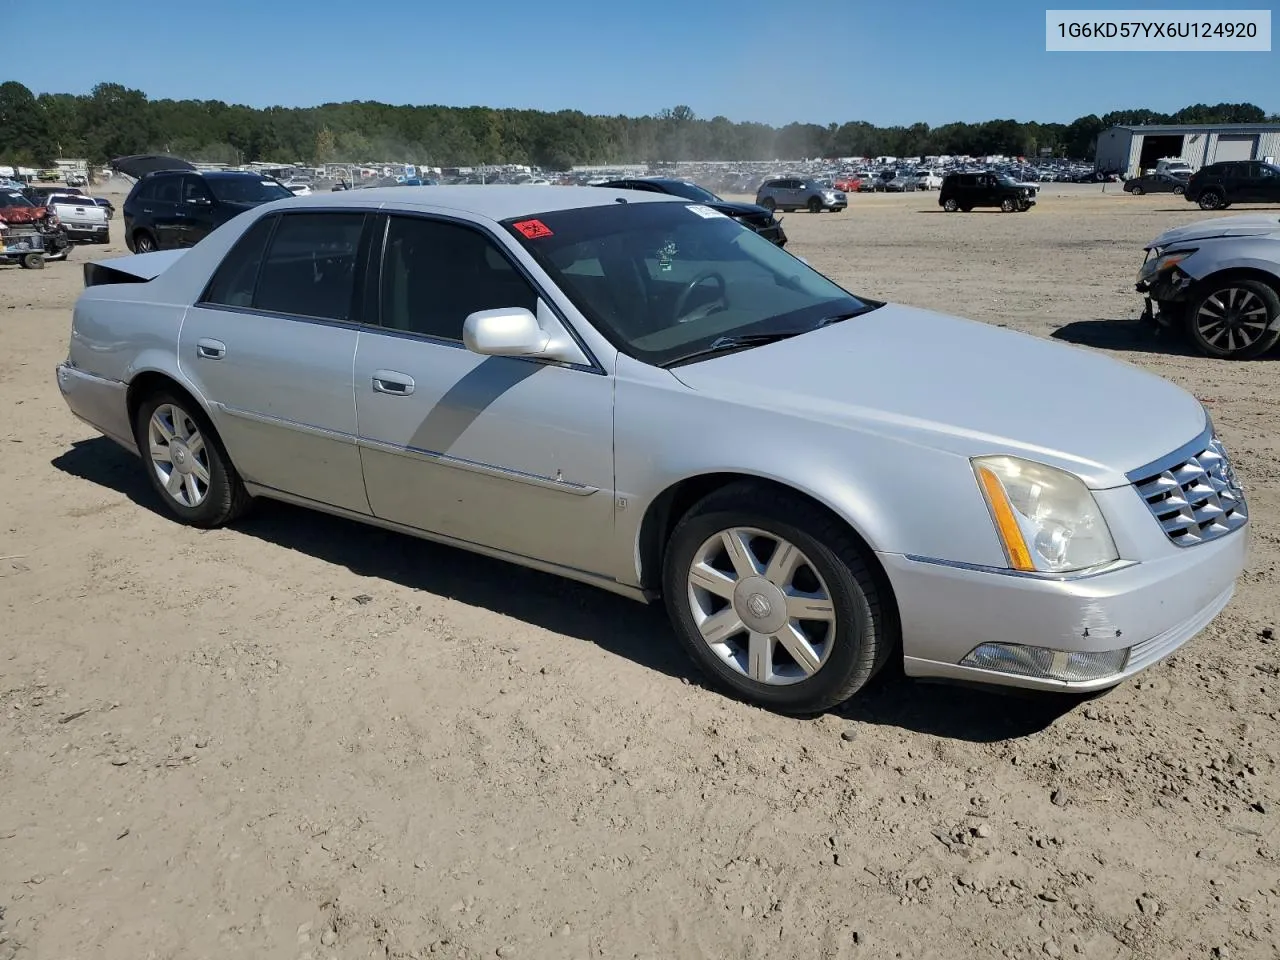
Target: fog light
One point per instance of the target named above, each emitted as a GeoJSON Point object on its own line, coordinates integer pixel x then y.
{"type": "Point", "coordinates": [1042, 662]}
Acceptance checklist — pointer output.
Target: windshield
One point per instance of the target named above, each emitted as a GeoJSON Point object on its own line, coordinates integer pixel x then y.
{"type": "Point", "coordinates": [690, 191]}
{"type": "Point", "coordinates": [11, 198]}
{"type": "Point", "coordinates": [664, 280]}
{"type": "Point", "coordinates": [246, 189]}
{"type": "Point", "coordinates": [1005, 179]}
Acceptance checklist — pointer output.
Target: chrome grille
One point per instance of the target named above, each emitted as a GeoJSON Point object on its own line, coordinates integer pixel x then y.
{"type": "Point", "coordinates": [1195, 498]}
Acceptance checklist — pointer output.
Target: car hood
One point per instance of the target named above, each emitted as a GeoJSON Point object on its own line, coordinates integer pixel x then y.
{"type": "Point", "coordinates": [735, 209]}
{"type": "Point", "coordinates": [964, 387]}
{"type": "Point", "coordinates": [1244, 225]}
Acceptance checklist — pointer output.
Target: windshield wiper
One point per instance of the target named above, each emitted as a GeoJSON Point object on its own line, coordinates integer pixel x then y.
{"type": "Point", "coordinates": [729, 344]}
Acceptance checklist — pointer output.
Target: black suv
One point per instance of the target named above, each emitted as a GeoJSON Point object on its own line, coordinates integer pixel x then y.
{"type": "Point", "coordinates": [178, 208]}
{"type": "Point", "coordinates": [1219, 185]}
{"type": "Point", "coordinates": [964, 191]}
{"type": "Point", "coordinates": [748, 214]}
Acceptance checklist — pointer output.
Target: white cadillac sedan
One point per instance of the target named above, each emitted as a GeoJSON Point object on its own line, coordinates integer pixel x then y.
{"type": "Point", "coordinates": [632, 390]}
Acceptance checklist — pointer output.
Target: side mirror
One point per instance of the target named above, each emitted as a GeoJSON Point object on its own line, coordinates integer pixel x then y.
{"type": "Point", "coordinates": [505, 332]}
{"type": "Point", "coordinates": [515, 332]}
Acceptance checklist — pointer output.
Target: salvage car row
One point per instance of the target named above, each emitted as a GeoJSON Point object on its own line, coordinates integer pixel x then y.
{"type": "Point", "coordinates": [565, 377]}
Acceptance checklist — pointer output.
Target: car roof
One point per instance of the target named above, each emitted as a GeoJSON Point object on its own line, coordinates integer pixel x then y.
{"type": "Point", "coordinates": [493, 201]}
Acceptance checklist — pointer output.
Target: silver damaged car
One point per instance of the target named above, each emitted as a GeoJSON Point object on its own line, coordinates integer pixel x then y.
{"type": "Point", "coordinates": [634, 391]}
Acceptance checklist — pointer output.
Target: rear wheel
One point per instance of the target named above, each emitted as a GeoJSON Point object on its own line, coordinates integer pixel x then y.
{"type": "Point", "coordinates": [1136, 190]}
{"type": "Point", "coordinates": [769, 204]}
{"type": "Point", "coordinates": [186, 462]}
{"type": "Point", "coordinates": [775, 600]}
{"type": "Point", "coordinates": [1234, 319]}
{"type": "Point", "coordinates": [1212, 200]}
{"type": "Point", "coordinates": [144, 242]}
{"type": "Point", "coordinates": [950, 205]}
{"type": "Point", "coordinates": [1179, 191]}
{"type": "Point", "coordinates": [33, 261]}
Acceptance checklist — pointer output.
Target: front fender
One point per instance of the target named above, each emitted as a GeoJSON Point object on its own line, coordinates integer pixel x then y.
{"type": "Point", "coordinates": [898, 495]}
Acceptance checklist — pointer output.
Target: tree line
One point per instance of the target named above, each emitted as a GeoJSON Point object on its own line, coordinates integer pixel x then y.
{"type": "Point", "coordinates": [112, 120]}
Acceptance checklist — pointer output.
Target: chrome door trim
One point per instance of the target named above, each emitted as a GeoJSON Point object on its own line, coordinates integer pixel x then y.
{"type": "Point", "coordinates": [263, 418]}
{"type": "Point", "coordinates": [474, 466]}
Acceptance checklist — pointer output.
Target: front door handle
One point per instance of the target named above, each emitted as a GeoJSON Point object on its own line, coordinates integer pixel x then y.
{"type": "Point", "coordinates": [392, 382]}
{"type": "Point", "coordinates": [210, 349]}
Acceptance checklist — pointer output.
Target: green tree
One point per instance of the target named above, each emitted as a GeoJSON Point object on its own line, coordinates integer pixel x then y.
{"type": "Point", "coordinates": [24, 128]}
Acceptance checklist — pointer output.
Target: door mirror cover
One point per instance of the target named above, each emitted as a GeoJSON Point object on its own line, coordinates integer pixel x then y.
{"type": "Point", "coordinates": [505, 332]}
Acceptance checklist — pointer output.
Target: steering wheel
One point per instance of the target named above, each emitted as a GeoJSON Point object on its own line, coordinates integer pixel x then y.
{"type": "Point", "coordinates": [722, 299]}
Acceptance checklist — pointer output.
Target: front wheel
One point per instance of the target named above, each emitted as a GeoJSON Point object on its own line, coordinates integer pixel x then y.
{"type": "Point", "coordinates": [774, 600]}
{"type": "Point", "coordinates": [1234, 319]}
{"type": "Point", "coordinates": [32, 261]}
{"type": "Point", "coordinates": [1008, 205]}
{"type": "Point", "coordinates": [186, 462]}
{"type": "Point", "coordinates": [815, 205]}
{"type": "Point", "coordinates": [1136, 191]}
{"type": "Point", "coordinates": [950, 205]}
{"type": "Point", "coordinates": [1179, 191]}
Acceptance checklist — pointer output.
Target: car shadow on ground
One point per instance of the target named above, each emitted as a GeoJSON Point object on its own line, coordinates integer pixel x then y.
{"type": "Point", "coordinates": [1137, 336]}
{"type": "Point", "coordinates": [616, 624]}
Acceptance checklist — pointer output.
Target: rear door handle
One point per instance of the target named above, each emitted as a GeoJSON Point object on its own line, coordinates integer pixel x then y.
{"type": "Point", "coordinates": [210, 349]}
{"type": "Point", "coordinates": [392, 382]}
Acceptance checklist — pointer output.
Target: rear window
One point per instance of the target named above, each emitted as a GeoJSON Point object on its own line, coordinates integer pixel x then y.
{"type": "Point", "coordinates": [309, 269]}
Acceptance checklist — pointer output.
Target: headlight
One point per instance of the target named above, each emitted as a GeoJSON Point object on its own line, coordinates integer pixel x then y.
{"type": "Point", "coordinates": [1166, 261]}
{"type": "Point", "coordinates": [1046, 519]}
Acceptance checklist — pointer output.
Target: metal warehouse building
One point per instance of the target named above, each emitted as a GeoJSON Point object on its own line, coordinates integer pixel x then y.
{"type": "Point", "coordinates": [1129, 150]}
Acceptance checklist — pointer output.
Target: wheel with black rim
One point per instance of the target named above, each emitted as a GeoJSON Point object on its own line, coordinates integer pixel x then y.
{"type": "Point", "coordinates": [1008, 205]}
{"type": "Point", "coordinates": [1234, 319]}
{"type": "Point", "coordinates": [815, 205]}
{"type": "Point", "coordinates": [769, 204]}
{"type": "Point", "coordinates": [1136, 190]}
{"type": "Point", "coordinates": [775, 600]}
{"type": "Point", "coordinates": [186, 462]}
{"type": "Point", "coordinates": [143, 242]}
{"type": "Point", "coordinates": [1212, 200]}
{"type": "Point", "coordinates": [1179, 191]}
{"type": "Point", "coordinates": [950, 205]}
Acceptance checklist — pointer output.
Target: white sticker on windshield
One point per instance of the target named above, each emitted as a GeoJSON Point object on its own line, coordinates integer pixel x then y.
{"type": "Point", "coordinates": [705, 212]}
{"type": "Point", "coordinates": [268, 183]}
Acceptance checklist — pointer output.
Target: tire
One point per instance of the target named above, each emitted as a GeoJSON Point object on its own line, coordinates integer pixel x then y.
{"type": "Point", "coordinates": [1179, 191]}
{"type": "Point", "coordinates": [1212, 200]}
{"type": "Point", "coordinates": [854, 644]}
{"type": "Point", "coordinates": [1246, 297]}
{"type": "Point", "coordinates": [224, 497]}
{"type": "Point", "coordinates": [815, 205]}
{"type": "Point", "coordinates": [950, 205]}
{"type": "Point", "coordinates": [32, 261]}
{"type": "Point", "coordinates": [144, 242]}
{"type": "Point", "coordinates": [966, 209]}
{"type": "Point", "coordinates": [1136, 191]}
{"type": "Point", "coordinates": [1008, 205]}
{"type": "Point", "coordinates": [1023, 206]}
{"type": "Point", "coordinates": [769, 204]}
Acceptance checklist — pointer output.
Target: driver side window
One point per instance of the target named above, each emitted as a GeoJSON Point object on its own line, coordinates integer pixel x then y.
{"type": "Point", "coordinates": [193, 188]}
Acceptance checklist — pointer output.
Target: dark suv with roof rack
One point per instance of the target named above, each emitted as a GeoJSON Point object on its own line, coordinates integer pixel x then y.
{"type": "Point", "coordinates": [169, 209]}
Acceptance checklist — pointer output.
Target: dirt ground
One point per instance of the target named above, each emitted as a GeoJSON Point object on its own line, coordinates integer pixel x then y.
{"type": "Point", "coordinates": [303, 738]}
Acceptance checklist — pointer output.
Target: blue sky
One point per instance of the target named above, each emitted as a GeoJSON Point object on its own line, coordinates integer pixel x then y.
{"type": "Point", "coordinates": [822, 61]}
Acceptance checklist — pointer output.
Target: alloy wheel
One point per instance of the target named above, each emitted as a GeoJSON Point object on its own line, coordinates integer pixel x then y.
{"type": "Point", "coordinates": [761, 606]}
{"type": "Point", "coordinates": [1232, 319]}
{"type": "Point", "coordinates": [179, 455]}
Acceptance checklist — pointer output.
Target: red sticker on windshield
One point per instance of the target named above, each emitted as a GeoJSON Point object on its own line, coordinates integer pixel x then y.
{"type": "Point", "coordinates": [533, 229]}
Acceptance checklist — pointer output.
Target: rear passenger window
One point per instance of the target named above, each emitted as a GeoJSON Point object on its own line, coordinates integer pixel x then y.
{"type": "Point", "coordinates": [309, 269]}
{"type": "Point", "coordinates": [435, 274]}
{"type": "Point", "coordinates": [167, 190]}
{"type": "Point", "coordinates": [232, 284]}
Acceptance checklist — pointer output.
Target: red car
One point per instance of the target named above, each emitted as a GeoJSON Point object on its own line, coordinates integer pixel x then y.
{"type": "Point", "coordinates": [848, 184]}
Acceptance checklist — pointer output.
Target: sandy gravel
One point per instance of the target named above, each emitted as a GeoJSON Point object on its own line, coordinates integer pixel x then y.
{"type": "Point", "coordinates": [302, 738]}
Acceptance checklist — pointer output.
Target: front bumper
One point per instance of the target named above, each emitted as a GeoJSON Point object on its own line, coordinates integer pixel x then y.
{"type": "Point", "coordinates": [85, 231]}
{"type": "Point", "coordinates": [1152, 608]}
